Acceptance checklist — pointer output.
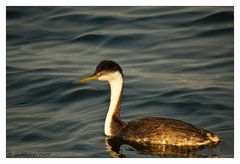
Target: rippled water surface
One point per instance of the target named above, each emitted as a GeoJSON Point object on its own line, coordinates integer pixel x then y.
{"type": "Point", "coordinates": [177, 63]}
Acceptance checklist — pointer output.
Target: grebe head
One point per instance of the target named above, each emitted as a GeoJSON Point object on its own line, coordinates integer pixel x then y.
{"type": "Point", "coordinates": [110, 71]}
{"type": "Point", "coordinates": [106, 70]}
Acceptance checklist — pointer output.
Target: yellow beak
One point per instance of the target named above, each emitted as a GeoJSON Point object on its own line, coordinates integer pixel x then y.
{"type": "Point", "coordinates": [93, 77]}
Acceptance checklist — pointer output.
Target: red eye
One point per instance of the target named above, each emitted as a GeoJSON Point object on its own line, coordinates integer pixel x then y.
{"type": "Point", "coordinates": [101, 73]}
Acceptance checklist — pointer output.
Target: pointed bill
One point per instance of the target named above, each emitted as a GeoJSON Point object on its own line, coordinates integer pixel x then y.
{"type": "Point", "coordinates": [93, 77]}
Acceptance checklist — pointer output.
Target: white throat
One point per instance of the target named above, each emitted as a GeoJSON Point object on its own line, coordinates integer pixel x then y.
{"type": "Point", "coordinates": [116, 84]}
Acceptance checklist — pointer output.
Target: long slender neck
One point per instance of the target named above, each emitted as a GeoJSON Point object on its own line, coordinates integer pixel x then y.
{"type": "Point", "coordinates": [113, 115]}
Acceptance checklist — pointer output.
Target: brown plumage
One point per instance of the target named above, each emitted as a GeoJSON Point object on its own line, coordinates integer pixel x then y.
{"type": "Point", "coordinates": [156, 130]}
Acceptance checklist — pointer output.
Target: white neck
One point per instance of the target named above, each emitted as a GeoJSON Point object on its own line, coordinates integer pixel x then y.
{"type": "Point", "coordinates": [116, 84]}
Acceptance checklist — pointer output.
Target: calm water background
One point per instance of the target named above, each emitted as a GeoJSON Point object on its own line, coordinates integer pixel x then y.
{"type": "Point", "coordinates": [177, 62]}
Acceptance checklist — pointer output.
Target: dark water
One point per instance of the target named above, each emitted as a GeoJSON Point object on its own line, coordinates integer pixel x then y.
{"type": "Point", "coordinates": [177, 62]}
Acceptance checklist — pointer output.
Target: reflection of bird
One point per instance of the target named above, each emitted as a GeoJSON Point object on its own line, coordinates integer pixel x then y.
{"type": "Point", "coordinates": [148, 130]}
{"type": "Point", "coordinates": [113, 145]}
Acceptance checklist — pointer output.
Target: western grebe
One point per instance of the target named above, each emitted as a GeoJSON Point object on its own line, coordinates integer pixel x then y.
{"type": "Point", "coordinates": [148, 130]}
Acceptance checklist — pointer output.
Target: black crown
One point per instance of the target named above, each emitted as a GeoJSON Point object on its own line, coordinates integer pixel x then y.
{"type": "Point", "coordinates": [108, 65]}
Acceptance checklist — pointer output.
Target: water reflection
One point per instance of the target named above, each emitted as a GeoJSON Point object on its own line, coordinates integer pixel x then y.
{"type": "Point", "coordinates": [113, 145]}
